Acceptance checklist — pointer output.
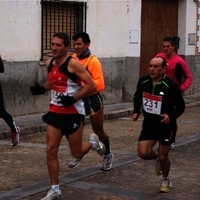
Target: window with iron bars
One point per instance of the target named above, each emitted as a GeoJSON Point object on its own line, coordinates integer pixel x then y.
{"type": "Point", "coordinates": [61, 16]}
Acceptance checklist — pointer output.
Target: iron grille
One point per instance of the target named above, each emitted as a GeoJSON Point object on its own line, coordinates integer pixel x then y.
{"type": "Point", "coordinates": [61, 16]}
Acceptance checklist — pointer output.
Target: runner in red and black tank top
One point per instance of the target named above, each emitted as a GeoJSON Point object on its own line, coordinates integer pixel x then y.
{"type": "Point", "coordinates": [66, 113]}
{"type": "Point", "coordinates": [64, 83]}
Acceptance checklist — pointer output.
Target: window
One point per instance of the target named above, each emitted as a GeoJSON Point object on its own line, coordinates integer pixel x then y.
{"type": "Point", "coordinates": [61, 16]}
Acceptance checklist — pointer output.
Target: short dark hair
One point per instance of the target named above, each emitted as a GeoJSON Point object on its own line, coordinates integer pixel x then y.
{"type": "Point", "coordinates": [64, 36]}
{"type": "Point", "coordinates": [170, 40]}
{"type": "Point", "coordinates": [83, 35]}
{"type": "Point", "coordinates": [164, 62]}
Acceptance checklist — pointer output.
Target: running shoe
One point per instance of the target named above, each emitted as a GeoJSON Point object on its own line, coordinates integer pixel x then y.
{"type": "Point", "coordinates": [157, 167]}
{"type": "Point", "coordinates": [173, 145]}
{"type": "Point", "coordinates": [107, 162]}
{"type": "Point", "coordinates": [165, 185]}
{"type": "Point", "coordinates": [76, 162]}
{"type": "Point", "coordinates": [97, 145]}
{"type": "Point", "coordinates": [15, 137]}
{"type": "Point", "coordinates": [53, 195]}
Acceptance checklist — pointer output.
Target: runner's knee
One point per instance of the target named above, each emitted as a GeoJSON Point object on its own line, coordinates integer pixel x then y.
{"type": "Point", "coordinates": [51, 152]}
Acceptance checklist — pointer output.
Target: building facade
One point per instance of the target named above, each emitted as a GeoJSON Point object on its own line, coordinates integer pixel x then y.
{"type": "Point", "coordinates": [125, 35]}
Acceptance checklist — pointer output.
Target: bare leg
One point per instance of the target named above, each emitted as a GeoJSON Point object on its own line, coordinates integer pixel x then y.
{"type": "Point", "coordinates": [163, 152]}
{"type": "Point", "coordinates": [145, 149]}
{"type": "Point", "coordinates": [97, 126]}
{"type": "Point", "coordinates": [77, 146]}
{"type": "Point", "coordinates": [53, 139]}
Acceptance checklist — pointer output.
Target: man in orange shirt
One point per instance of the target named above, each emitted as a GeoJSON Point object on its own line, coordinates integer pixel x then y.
{"type": "Point", "coordinates": [94, 102]}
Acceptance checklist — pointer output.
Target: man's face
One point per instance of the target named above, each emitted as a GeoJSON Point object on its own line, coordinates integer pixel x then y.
{"type": "Point", "coordinates": [168, 49]}
{"type": "Point", "coordinates": [156, 70]}
{"type": "Point", "coordinates": [80, 47]}
{"type": "Point", "coordinates": [58, 48]}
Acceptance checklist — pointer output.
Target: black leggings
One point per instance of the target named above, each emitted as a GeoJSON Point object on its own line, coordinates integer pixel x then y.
{"type": "Point", "coordinates": [6, 116]}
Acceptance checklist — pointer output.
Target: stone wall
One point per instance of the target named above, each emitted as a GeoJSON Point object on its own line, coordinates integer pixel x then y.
{"type": "Point", "coordinates": [121, 75]}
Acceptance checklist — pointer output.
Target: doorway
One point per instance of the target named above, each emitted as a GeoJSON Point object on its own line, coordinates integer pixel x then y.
{"type": "Point", "coordinates": [159, 20]}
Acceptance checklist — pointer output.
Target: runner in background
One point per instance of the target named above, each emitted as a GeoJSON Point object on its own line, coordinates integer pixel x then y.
{"type": "Point", "coordinates": [94, 101]}
{"type": "Point", "coordinates": [15, 130]}
{"type": "Point", "coordinates": [177, 69]}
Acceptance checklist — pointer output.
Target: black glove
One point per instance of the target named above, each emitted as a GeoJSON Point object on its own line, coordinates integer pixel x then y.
{"type": "Point", "coordinates": [67, 100]}
{"type": "Point", "coordinates": [37, 89]}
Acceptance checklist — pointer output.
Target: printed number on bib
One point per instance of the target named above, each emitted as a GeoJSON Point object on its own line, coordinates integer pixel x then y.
{"type": "Point", "coordinates": [152, 103]}
{"type": "Point", "coordinates": [55, 97]}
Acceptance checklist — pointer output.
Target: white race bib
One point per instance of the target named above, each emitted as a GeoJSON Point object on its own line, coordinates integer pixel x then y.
{"type": "Point", "coordinates": [55, 97]}
{"type": "Point", "coordinates": [152, 103]}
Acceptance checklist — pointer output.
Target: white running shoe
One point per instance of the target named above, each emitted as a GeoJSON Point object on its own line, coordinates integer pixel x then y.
{"type": "Point", "coordinates": [107, 162]}
{"type": "Point", "coordinates": [97, 145]}
{"type": "Point", "coordinates": [76, 162]}
{"type": "Point", "coordinates": [53, 195]}
{"type": "Point", "coordinates": [165, 185]}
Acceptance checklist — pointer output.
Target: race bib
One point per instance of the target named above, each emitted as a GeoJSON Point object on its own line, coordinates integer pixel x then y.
{"type": "Point", "coordinates": [55, 97]}
{"type": "Point", "coordinates": [152, 103]}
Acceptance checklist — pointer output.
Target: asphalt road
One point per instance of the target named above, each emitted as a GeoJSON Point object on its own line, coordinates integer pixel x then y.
{"type": "Point", "coordinates": [24, 174]}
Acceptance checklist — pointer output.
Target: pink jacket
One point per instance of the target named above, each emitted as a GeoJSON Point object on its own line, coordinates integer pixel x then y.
{"type": "Point", "coordinates": [177, 69]}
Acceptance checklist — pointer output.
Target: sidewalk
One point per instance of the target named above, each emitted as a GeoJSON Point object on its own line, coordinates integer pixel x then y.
{"type": "Point", "coordinates": [33, 123]}
{"type": "Point", "coordinates": [24, 174]}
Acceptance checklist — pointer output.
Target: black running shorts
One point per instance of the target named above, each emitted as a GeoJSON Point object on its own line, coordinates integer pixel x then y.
{"type": "Point", "coordinates": [163, 135]}
{"type": "Point", "coordinates": [93, 104]}
{"type": "Point", "coordinates": [67, 123]}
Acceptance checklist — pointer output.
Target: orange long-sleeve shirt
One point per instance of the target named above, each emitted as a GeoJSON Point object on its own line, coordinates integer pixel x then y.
{"type": "Point", "coordinates": [94, 67]}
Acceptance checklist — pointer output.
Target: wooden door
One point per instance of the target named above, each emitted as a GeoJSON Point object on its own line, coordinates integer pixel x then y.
{"type": "Point", "coordinates": [159, 20]}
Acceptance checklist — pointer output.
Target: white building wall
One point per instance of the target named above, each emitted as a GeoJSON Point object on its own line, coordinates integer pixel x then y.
{"type": "Point", "coordinates": [114, 28]}
{"type": "Point", "coordinates": [20, 33]}
{"type": "Point", "coordinates": [186, 24]}
{"type": "Point", "coordinates": [134, 28]}
{"type": "Point", "coordinates": [109, 23]}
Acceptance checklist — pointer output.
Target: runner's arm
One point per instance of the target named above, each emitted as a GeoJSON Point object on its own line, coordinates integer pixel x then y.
{"type": "Point", "coordinates": [187, 75]}
{"type": "Point", "coordinates": [89, 87]}
{"type": "Point", "coordinates": [179, 103]}
{"type": "Point", "coordinates": [137, 100]}
{"type": "Point", "coordinates": [47, 84]}
{"type": "Point", "coordinates": [1, 66]}
{"type": "Point", "coordinates": [96, 72]}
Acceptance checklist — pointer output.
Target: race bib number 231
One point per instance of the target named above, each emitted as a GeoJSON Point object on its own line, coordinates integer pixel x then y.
{"type": "Point", "coordinates": [152, 103]}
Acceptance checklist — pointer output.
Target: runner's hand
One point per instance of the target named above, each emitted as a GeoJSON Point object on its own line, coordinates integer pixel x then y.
{"type": "Point", "coordinates": [135, 116]}
{"type": "Point", "coordinates": [67, 100]}
{"type": "Point", "coordinates": [37, 89]}
{"type": "Point", "coordinates": [165, 119]}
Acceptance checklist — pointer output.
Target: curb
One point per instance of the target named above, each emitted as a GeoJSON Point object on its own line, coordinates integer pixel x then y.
{"type": "Point", "coordinates": [192, 104]}
{"type": "Point", "coordinates": [108, 115]}
{"type": "Point", "coordinates": [31, 129]}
